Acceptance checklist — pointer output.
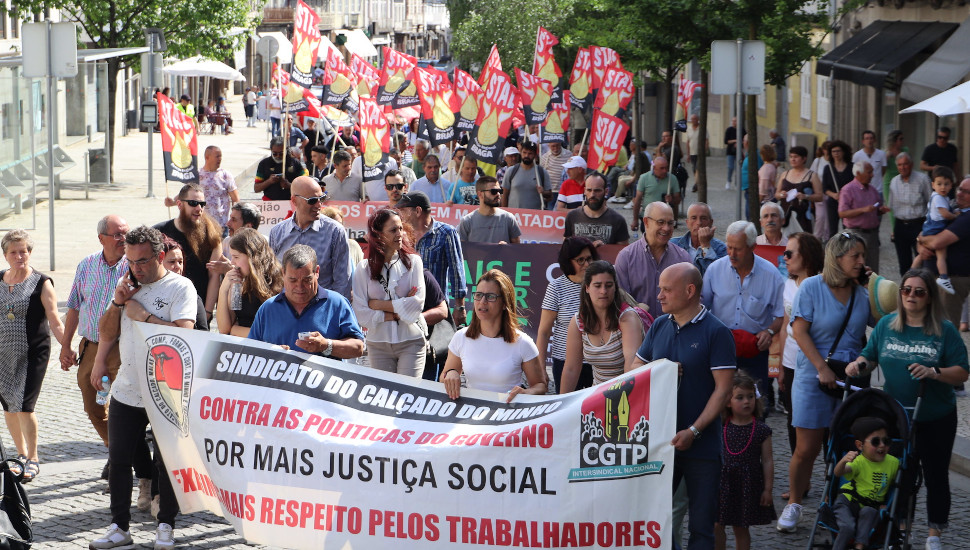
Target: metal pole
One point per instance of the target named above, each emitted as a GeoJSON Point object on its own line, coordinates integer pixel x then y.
{"type": "Point", "coordinates": [50, 136]}
{"type": "Point", "coordinates": [738, 147]}
{"type": "Point", "coordinates": [150, 83]}
{"type": "Point", "coordinates": [107, 120]}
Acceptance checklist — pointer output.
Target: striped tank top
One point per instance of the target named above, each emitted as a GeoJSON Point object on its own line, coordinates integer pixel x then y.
{"type": "Point", "coordinates": [607, 360]}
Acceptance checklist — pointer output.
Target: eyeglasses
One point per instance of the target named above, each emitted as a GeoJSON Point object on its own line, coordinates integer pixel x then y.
{"type": "Point", "coordinates": [312, 200]}
{"type": "Point", "coordinates": [877, 441]}
{"type": "Point", "coordinates": [494, 192]}
{"type": "Point", "coordinates": [141, 262]}
{"type": "Point", "coordinates": [583, 260]}
{"type": "Point", "coordinates": [391, 186]}
{"type": "Point", "coordinates": [277, 154]}
{"type": "Point", "coordinates": [942, 137]}
{"type": "Point", "coordinates": [962, 190]}
{"type": "Point", "coordinates": [193, 203]}
{"type": "Point", "coordinates": [788, 254]}
{"type": "Point", "coordinates": [120, 236]}
{"type": "Point", "coordinates": [662, 223]}
{"type": "Point", "coordinates": [487, 296]}
{"type": "Point", "coordinates": [918, 292]}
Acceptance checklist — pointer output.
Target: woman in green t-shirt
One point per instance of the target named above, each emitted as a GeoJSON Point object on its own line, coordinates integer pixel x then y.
{"type": "Point", "coordinates": [914, 345]}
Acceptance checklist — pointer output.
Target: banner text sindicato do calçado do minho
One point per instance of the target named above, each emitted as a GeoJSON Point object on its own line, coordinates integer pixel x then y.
{"type": "Point", "coordinates": [306, 452]}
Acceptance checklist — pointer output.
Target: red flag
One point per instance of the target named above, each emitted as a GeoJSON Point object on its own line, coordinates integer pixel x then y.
{"type": "Point", "coordinates": [556, 126]}
{"type": "Point", "coordinates": [375, 133]}
{"type": "Point", "coordinates": [535, 93]}
{"type": "Point", "coordinates": [581, 80]}
{"type": "Point", "coordinates": [180, 146]}
{"type": "Point", "coordinates": [397, 79]}
{"type": "Point", "coordinates": [605, 141]}
{"type": "Point", "coordinates": [615, 93]}
{"type": "Point", "coordinates": [492, 64]}
{"type": "Point", "coordinates": [544, 64]}
{"type": "Point", "coordinates": [469, 94]}
{"type": "Point", "coordinates": [602, 59]}
{"type": "Point", "coordinates": [494, 119]}
{"type": "Point", "coordinates": [338, 80]}
{"type": "Point", "coordinates": [439, 104]}
{"type": "Point", "coordinates": [368, 79]}
{"type": "Point", "coordinates": [306, 43]}
{"type": "Point", "coordinates": [279, 76]}
{"type": "Point", "coordinates": [685, 94]}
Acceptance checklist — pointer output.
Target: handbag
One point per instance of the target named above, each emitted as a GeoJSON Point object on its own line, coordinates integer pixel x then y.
{"type": "Point", "coordinates": [15, 529]}
{"type": "Point", "coordinates": [838, 367]}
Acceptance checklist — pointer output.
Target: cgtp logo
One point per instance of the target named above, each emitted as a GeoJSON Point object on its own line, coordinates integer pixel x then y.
{"type": "Point", "coordinates": [170, 368]}
{"type": "Point", "coordinates": [615, 436]}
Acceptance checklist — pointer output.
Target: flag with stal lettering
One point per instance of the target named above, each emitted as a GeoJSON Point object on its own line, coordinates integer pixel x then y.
{"type": "Point", "coordinates": [439, 104]}
{"type": "Point", "coordinates": [605, 141]}
{"type": "Point", "coordinates": [396, 86]}
{"type": "Point", "coordinates": [535, 94]}
{"type": "Point", "coordinates": [615, 93]}
{"type": "Point", "coordinates": [292, 100]}
{"type": "Point", "coordinates": [581, 80]}
{"type": "Point", "coordinates": [368, 79]}
{"type": "Point", "coordinates": [306, 43]}
{"type": "Point", "coordinates": [601, 59]}
{"type": "Point", "coordinates": [469, 94]}
{"type": "Point", "coordinates": [556, 126]}
{"type": "Point", "coordinates": [544, 62]}
{"type": "Point", "coordinates": [492, 64]}
{"type": "Point", "coordinates": [494, 119]}
{"type": "Point", "coordinates": [180, 146]}
{"type": "Point", "coordinates": [685, 94]}
{"type": "Point", "coordinates": [375, 132]}
{"type": "Point", "coordinates": [338, 83]}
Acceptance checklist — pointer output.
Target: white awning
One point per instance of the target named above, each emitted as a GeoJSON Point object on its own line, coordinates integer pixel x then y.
{"type": "Point", "coordinates": [358, 43]}
{"type": "Point", "coordinates": [947, 66]}
{"type": "Point", "coordinates": [285, 54]}
{"type": "Point", "coordinates": [325, 44]}
{"type": "Point", "coordinates": [197, 66]}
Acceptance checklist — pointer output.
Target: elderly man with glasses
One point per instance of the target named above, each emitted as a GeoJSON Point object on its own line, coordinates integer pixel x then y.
{"type": "Point", "coordinates": [638, 266]}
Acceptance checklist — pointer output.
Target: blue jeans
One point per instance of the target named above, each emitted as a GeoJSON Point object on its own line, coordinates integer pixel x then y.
{"type": "Point", "coordinates": [275, 126]}
{"type": "Point", "coordinates": [551, 205]}
{"type": "Point", "coordinates": [701, 475]}
{"type": "Point", "coordinates": [732, 161]}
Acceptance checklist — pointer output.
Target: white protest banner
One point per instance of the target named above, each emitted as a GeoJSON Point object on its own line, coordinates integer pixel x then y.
{"type": "Point", "coordinates": [543, 226]}
{"type": "Point", "coordinates": [312, 453]}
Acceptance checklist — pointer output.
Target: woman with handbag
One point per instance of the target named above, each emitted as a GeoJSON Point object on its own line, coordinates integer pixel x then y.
{"type": "Point", "coordinates": [927, 349]}
{"type": "Point", "coordinates": [389, 294]}
{"type": "Point", "coordinates": [828, 321]}
{"type": "Point", "coordinates": [806, 186]}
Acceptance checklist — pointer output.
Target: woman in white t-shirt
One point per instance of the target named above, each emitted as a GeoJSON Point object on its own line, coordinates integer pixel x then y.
{"type": "Point", "coordinates": [491, 351]}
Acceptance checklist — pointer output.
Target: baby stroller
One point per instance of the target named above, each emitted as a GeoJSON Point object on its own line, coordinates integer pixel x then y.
{"type": "Point", "coordinates": [899, 510]}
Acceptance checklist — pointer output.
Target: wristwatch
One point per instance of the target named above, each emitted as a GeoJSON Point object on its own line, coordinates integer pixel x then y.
{"type": "Point", "coordinates": [704, 250]}
{"type": "Point", "coordinates": [771, 332]}
{"type": "Point", "coordinates": [329, 349]}
{"type": "Point", "coordinates": [695, 431]}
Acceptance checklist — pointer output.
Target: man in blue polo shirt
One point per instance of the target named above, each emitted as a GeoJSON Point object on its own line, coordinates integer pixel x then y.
{"type": "Point", "coordinates": [304, 306]}
{"type": "Point", "coordinates": [704, 349]}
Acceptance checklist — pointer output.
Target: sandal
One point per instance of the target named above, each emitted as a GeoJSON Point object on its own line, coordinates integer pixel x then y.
{"type": "Point", "coordinates": [33, 468]}
{"type": "Point", "coordinates": [17, 467]}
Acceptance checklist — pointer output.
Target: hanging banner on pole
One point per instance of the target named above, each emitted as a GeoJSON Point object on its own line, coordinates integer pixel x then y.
{"type": "Point", "coordinates": [306, 452]}
{"type": "Point", "coordinates": [375, 132]}
{"type": "Point", "coordinates": [469, 96]}
{"type": "Point", "coordinates": [544, 62]}
{"type": "Point", "coordinates": [494, 119]}
{"type": "Point", "coordinates": [180, 145]}
{"type": "Point", "coordinates": [492, 64]}
{"type": "Point", "coordinates": [606, 138]}
{"type": "Point", "coordinates": [368, 79]}
{"type": "Point", "coordinates": [556, 127]}
{"type": "Point", "coordinates": [581, 81]}
{"type": "Point", "coordinates": [306, 44]}
{"type": "Point", "coordinates": [397, 76]}
{"type": "Point", "coordinates": [439, 104]}
{"type": "Point", "coordinates": [615, 93]}
{"type": "Point", "coordinates": [535, 94]}
{"type": "Point", "coordinates": [338, 83]}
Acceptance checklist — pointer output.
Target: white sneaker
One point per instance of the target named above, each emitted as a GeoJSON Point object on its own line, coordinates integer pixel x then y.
{"type": "Point", "coordinates": [788, 522]}
{"type": "Point", "coordinates": [933, 543]}
{"type": "Point", "coordinates": [164, 537]}
{"type": "Point", "coordinates": [628, 206]}
{"type": "Point", "coordinates": [114, 538]}
{"type": "Point", "coordinates": [144, 494]}
{"type": "Point", "coordinates": [946, 285]}
{"type": "Point", "coordinates": [727, 185]}
{"type": "Point", "coordinates": [615, 200]}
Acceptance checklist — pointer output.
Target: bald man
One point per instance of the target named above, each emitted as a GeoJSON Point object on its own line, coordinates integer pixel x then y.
{"type": "Point", "coordinates": [638, 266]}
{"type": "Point", "coordinates": [704, 349]}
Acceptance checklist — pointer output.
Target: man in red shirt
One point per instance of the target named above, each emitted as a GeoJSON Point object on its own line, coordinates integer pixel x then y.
{"type": "Point", "coordinates": [571, 190]}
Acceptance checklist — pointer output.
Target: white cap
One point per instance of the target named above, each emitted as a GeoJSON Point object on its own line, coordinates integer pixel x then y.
{"type": "Point", "coordinates": [574, 162]}
{"type": "Point", "coordinates": [511, 151]}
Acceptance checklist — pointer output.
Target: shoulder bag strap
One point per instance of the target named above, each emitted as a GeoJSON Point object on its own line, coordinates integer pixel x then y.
{"type": "Point", "coordinates": [845, 323]}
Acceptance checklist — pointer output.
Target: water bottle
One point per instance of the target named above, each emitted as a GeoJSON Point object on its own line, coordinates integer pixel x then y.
{"type": "Point", "coordinates": [235, 297]}
{"type": "Point", "coordinates": [102, 398]}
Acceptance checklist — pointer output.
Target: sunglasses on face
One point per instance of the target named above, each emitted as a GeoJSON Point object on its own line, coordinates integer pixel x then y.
{"type": "Point", "coordinates": [788, 254]}
{"type": "Point", "coordinates": [877, 441]}
{"type": "Point", "coordinates": [277, 154]}
{"type": "Point", "coordinates": [193, 203]}
{"type": "Point", "coordinates": [312, 200]}
{"type": "Point", "coordinates": [391, 186]}
{"type": "Point", "coordinates": [918, 292]}
{"type": "Point", "coordinates": [495, 192]}
{"type": "Point", "coordinates": [487, 296]}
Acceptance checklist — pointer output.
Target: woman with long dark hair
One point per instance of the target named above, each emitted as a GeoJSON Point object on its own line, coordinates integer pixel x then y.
{"type": "Point", "coordinates": [255, 267]}
{"type": "Point", "coordinates": [837, 174]}
{"type": "Point", "coordinates": [389, 293]}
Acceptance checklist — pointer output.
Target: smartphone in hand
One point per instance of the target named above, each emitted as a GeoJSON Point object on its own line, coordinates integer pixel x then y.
{"type": "Point", "coordinates": [133, 283]}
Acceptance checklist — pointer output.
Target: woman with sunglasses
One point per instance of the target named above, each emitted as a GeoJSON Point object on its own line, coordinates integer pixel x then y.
{"type": "Point", "coordinates": [837, 174]}
{"type": "Point", "coordinates": [389, 291]}
{"type": "Point", "coordinates": [254, 266]}
{"type": "Point", "coordinates": [822, 305]}
{"type": "Point", "coordinates": [603, 333]}
{"type": "Point", "coordinates": [491, 351]}
{"type": "Point", "coordinates": [561, 303]}
{"type": "Point", "coordinates": [804, 258]}
{"type": "Point", "coordinates": [916, 345]}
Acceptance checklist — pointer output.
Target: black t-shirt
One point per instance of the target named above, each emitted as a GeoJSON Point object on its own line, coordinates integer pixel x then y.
{"type": "Point", "coordinates": [269, 167]}
{"type": "Point", "coordinates": [432, 291]}
{"type": "Point", "coordinates": [958, 253]}
{"type": "Point", "coordinates": [731, 134]}
{"type": "Point", "coordinates": [934, 155]}
{"type": "Point", "coordinates": [195, 269]}
{"type": "Point", "coordinates": [610, 228]}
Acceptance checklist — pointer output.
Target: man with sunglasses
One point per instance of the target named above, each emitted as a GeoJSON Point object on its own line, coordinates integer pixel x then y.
{"type": "Point", "coordinates": [270, 179]}
{"type": "Point", "coordinates": [394, 186]}
{"type": "Point", "coordinates": [325, 236]}
{"type": "Point", "coordinates": [940, 153]}
{"type": "Point", "coordinates": [149, 294]}
{"type": "Point", "coordinates": [489, 224]}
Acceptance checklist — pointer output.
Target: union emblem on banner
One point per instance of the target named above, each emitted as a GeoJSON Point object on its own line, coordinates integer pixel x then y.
{"type": "Point", "coordinates": [170, 364]}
